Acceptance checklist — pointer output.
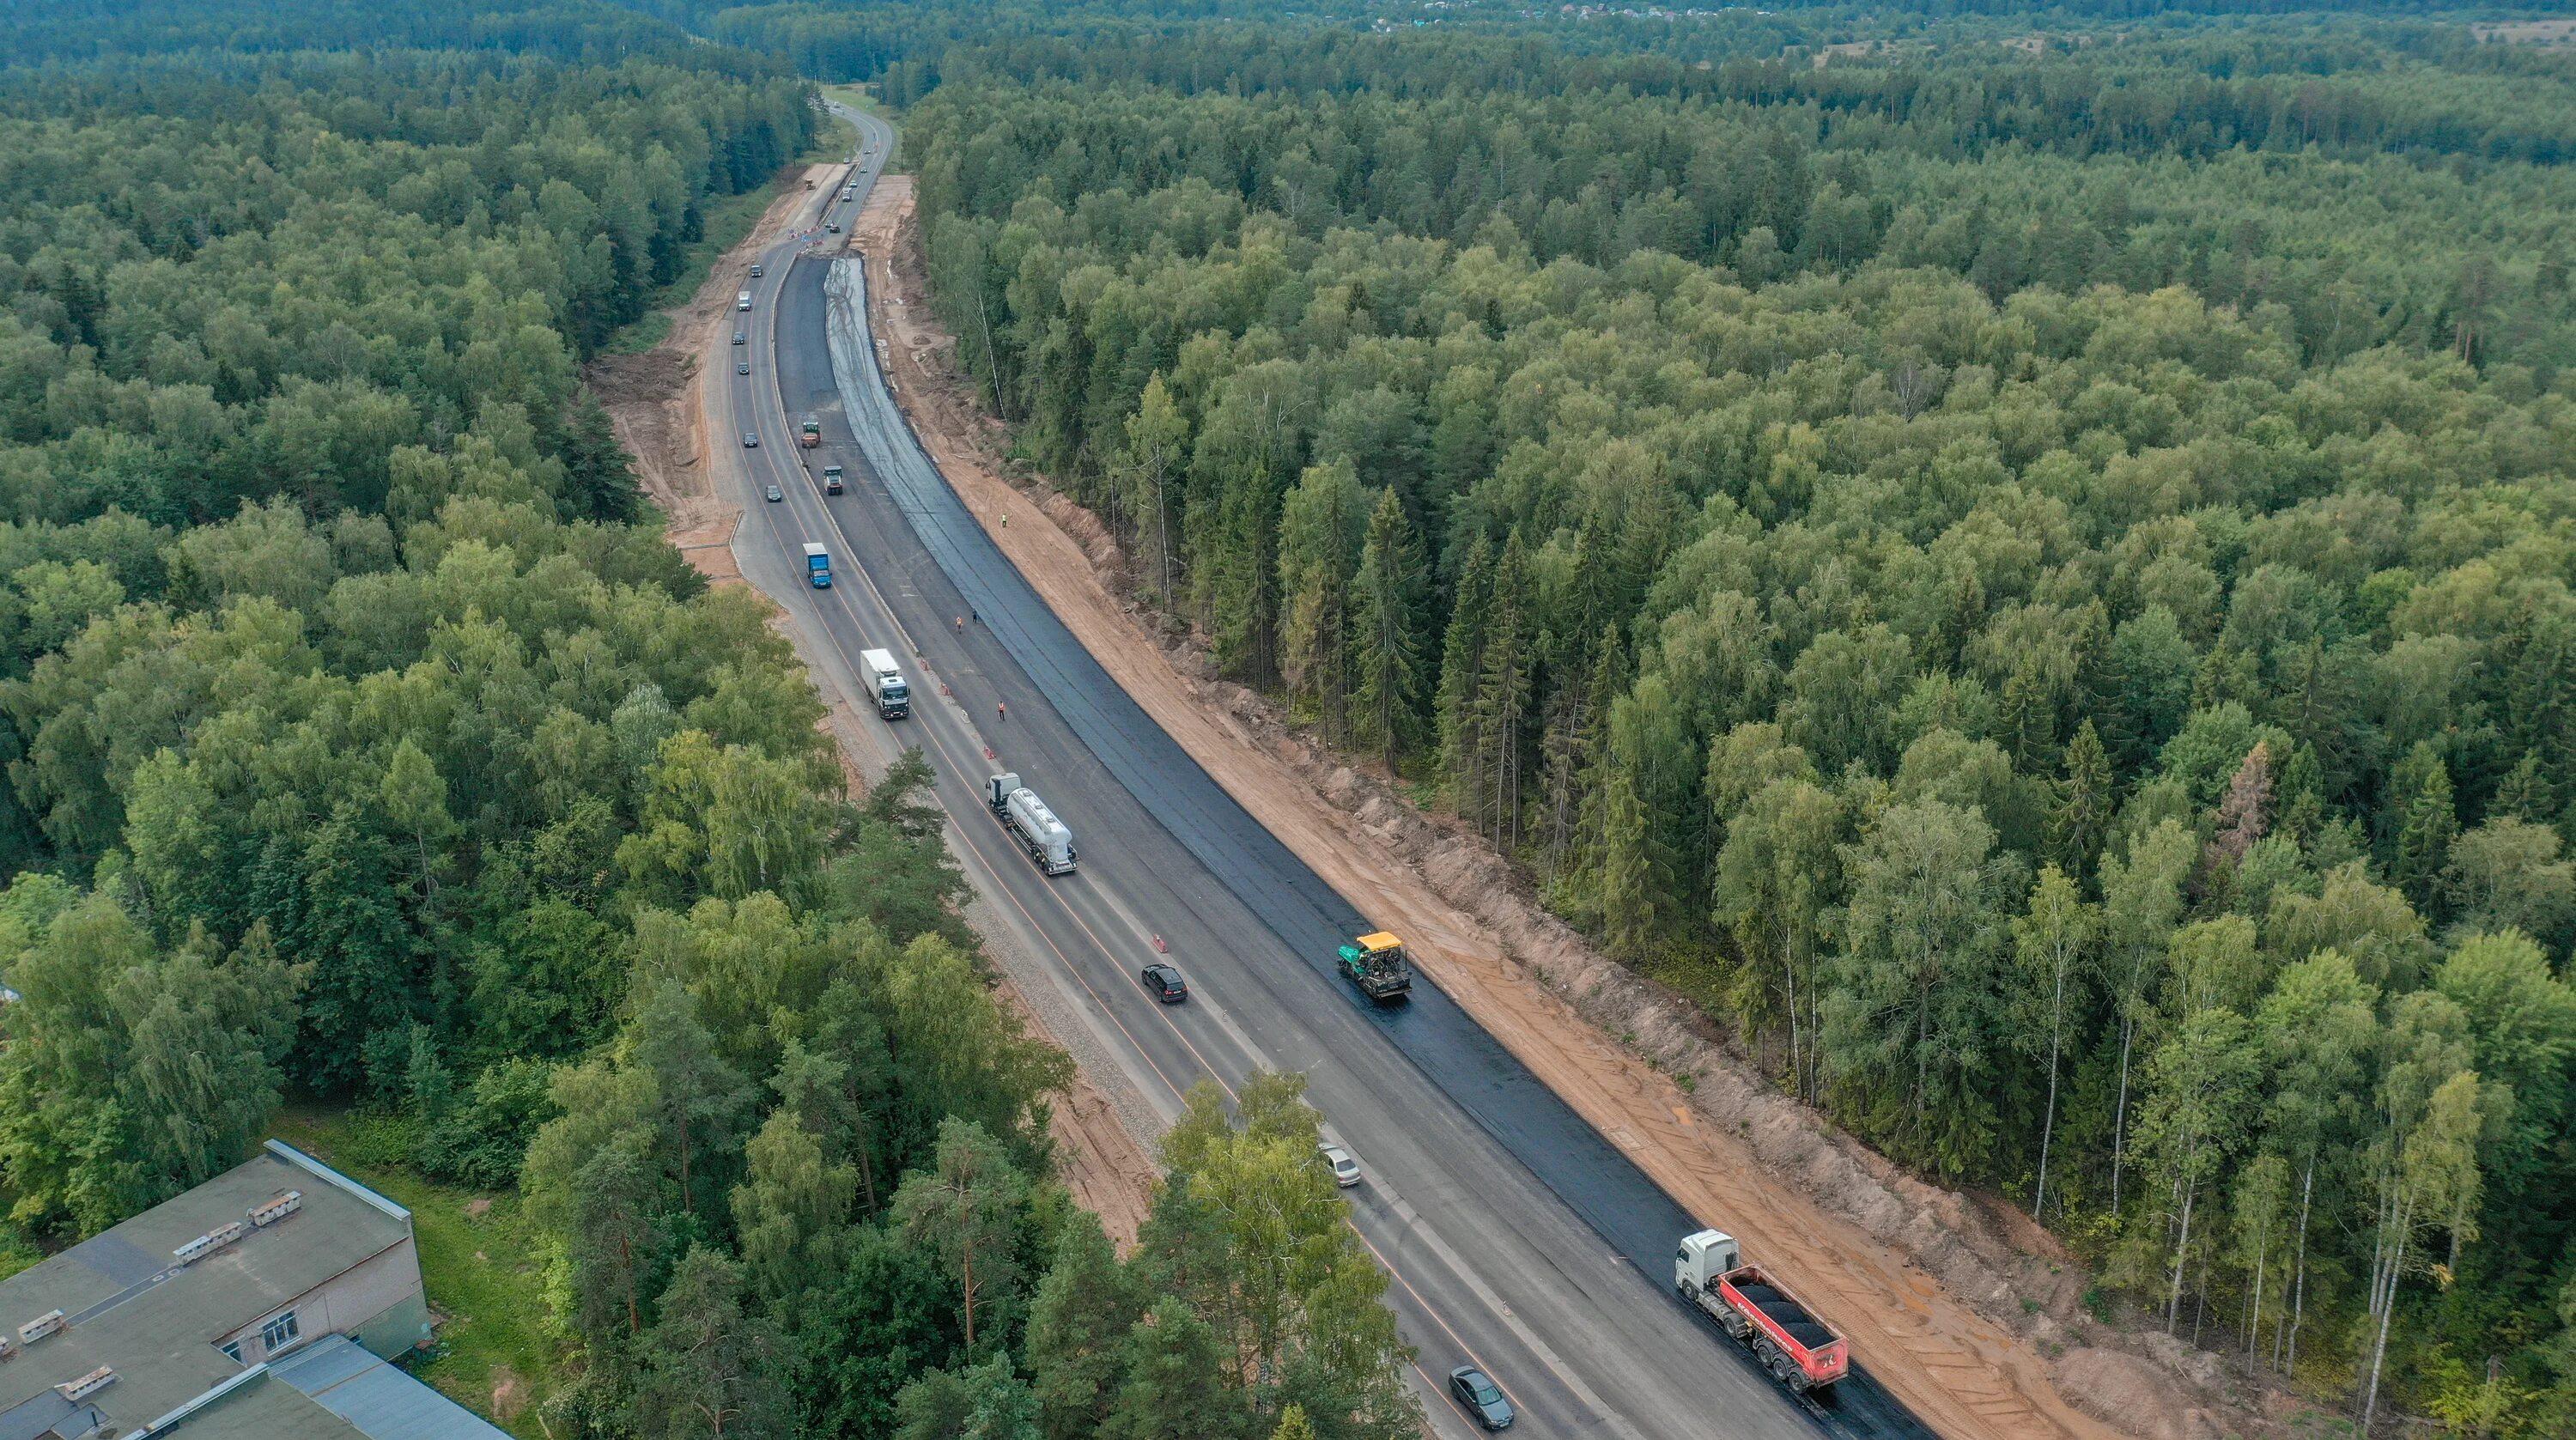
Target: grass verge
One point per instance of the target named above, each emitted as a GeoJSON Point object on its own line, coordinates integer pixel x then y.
{"type": "Point", "coordinates": [477, 1259]}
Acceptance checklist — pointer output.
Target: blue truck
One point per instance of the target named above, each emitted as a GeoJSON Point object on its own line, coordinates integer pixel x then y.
{"type": "Point", "coordinates": [818, 566]}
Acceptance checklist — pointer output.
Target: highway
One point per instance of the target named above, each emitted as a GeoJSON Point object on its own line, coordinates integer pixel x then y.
{"type": "Point", "coordinates": [1516, 1237]}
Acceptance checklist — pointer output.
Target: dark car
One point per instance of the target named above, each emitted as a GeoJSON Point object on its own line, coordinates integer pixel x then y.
{"type": "Point", "coordinates": [742, 367]}
{"type": "Point", "coordinates": [1166, 983]}
{"type": "Point", "coordinates": [1482, 1397]}
{"type": "Point", "coordinates": [750, 441]}
{"type": "Point", "coordinates": [740, 338]}
{"type": "Point", "coordinates": [775, 495]}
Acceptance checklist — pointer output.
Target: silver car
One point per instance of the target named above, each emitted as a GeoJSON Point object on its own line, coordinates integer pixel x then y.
{"type": "Point", "coordinates": [1346, 1171]}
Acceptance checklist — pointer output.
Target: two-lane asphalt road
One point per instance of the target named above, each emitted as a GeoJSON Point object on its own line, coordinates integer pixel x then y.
{"type": "Point", "coordinates": [1516, 1237]}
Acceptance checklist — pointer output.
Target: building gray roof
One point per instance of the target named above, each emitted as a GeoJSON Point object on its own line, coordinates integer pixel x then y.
{"type": "Point", "coordinates": [132, 1307]}
{"type": "Point", "coordinates": [379, 1400]}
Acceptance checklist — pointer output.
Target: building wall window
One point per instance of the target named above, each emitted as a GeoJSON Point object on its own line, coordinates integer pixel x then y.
{"type": "Point", "coordinates": [279, 1333]}
{"type": "Point", "coordinates": [233, 1348]}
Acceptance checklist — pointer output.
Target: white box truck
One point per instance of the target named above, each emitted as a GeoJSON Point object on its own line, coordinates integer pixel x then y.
{"type": "Point", "coordinates": [1026, 816]}
{"type": "Point", "coordinates": [885, 682]}
{"type": "Point", "coordinates": [742, 301]}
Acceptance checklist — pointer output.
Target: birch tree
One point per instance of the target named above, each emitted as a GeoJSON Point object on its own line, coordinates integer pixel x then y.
{"type": "Point", "coordinates": [2053, 949]}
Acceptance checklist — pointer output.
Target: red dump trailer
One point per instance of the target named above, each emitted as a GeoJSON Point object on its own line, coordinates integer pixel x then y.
{"type": "Point", "coordinates": [1798, 1348]}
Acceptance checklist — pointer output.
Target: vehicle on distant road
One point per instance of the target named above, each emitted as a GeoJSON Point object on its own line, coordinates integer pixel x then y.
{"type": "Point", "coordinates": [1377, 964]}
{"type": "Point", "coordinates": [1346, 1171]}
{"type": "Point", "coordinates": [1801, 1351]}
{"type": "Point", "coordinates": [831, 479]}
{"type": "Point", "coordinates": [834, 227]}
{"type": "Point", "coordinates": [742, 301]}
{"type": "Point", "coordinates": [1482, 1397]}
{"type": "Point", "coordinates": [740, 338]}
{"type": "Point", "coordinates": [818, 566]}
{"type": "Point", "coordinates": [774, 495]}
{"type": "Point", "coordinates": [1166, 983]}
{"type": "Point", "coordinates": [742, 367]}
{"type": "Point", "coordinates": [809, 432]}
{"type": "Point", "coordinates": [750, 441]}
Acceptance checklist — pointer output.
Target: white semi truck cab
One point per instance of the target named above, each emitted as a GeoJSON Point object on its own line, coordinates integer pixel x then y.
{"type": "Point", "coordinates": [885, 684]}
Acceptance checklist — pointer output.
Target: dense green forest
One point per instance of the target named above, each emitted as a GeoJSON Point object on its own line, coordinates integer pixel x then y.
{"type": "Point", "coordinates": [365, 745]}
{"type": "Point", "coordinates": [2037, 588]}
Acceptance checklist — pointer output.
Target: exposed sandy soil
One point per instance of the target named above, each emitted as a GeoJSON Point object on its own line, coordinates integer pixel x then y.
{"type": "Point", "coordinates": [1928, 1284]}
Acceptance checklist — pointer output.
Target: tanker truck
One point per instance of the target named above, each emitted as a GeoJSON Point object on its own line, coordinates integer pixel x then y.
{"type": "Point", "coordinates": [1027, 817]}
{"type": "Point", "coordinates": [1751, 1305]}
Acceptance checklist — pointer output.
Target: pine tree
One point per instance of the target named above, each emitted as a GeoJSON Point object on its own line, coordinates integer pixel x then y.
{"type": "Point", "coordinates": [1175, 1390]}
{"type": "Point", "coordinates": [710, 1370]}
{"type": "Point", "coordinates": [963, 1207]}
{"type": "Point", "coordinates": [700, 1098]}
{"type": "Point", "coordinates": [1503, 695]}
{"type": "Point", "coordinates": [1386, 603]}
{"type": "Point", "coordinates": [2522, 794]}
{"type": "Point", "coordinates": [1578, 754]}
{"type": "Point", "coordinates": [2426, 823]}
{"type": "Point", "coordinates": [1319, 540]}
{"type": "Point", "coordinates": [1157, 440]}
{"type": "Point", "coordinates": [1462, 669]}
{"type": "Point", "coordinates": [2026, 722]}
{"type": "Point", "coordinates": [599, 481]}
{"type": "Point", "coordinates": [1627, 869]}
{"type": "Point", "coordinates": [2080, 818]}
{"type": "Point", "coordinates": [2226, 673]}
{"type": "Point", "coordinates": [1077, 1332]}
{"type": "Point", "coordinates": [2299, 801]}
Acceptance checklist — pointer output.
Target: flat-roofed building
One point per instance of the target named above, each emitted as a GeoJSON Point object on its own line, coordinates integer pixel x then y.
{"type": "Point", "coordinates": [262, 1305]}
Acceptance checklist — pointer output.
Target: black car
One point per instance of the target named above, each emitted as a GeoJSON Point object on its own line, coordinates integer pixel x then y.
{"type": "Point", "coordinates": [1482, 1397]}
{"type": "Point", "coordinates": [776, 495]}
{"type": "Point", "coordinates": [750, 441]}
{"type": "Point", "coordinates": [1166, 983]}
{"type": "Point", "coordinates": [742, 367]}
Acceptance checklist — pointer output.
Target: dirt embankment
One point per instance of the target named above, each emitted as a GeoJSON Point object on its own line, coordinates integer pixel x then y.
{"type": "Point", "coordinates": [1963, 1309]}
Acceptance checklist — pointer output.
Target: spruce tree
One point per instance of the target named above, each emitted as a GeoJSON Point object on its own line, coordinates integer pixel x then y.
{"type": "Point", "coordinates": [2026, 724]}
{"type": "Point", "coordinates": [1462, 668]}
{"type": "Point", "coordinates": [1386, 601]}
{"type": "Point", "coordinates": [1077, 1330]}
{"type": "Point", "coordinates": [2080, 818]}
{"type": "Point", "coordinates": [2425, 823]}
{"type": "Point", "coordinates": [599, 481]}
{"type": "Point", "coordinates": [1503, 696]}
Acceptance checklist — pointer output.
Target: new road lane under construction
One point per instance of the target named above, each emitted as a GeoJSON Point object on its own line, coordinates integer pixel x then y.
{"type": "Point", "coordinates": [1518, 1238]}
